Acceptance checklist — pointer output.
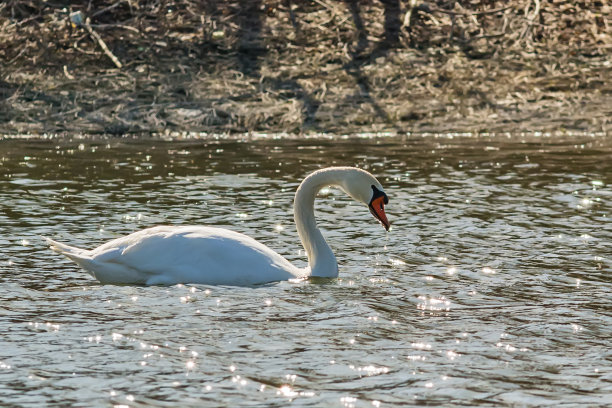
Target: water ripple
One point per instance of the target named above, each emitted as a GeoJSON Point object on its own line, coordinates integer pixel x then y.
{"type": "Point", "coordinates": [492, 288]}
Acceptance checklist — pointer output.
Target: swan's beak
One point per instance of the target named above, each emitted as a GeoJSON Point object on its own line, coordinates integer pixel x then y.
{"type": "Point", "coordinates": [377, 208]}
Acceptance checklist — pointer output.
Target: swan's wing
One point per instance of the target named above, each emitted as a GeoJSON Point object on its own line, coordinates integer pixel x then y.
{"type": "Point", "coordinates": [97, 264]}
{"type": "Point", "coordinates": [168, 255]}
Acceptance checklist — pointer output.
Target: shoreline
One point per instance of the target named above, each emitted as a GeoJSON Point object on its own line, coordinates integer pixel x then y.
{"type": "Point", "coordinates": [276, 67]}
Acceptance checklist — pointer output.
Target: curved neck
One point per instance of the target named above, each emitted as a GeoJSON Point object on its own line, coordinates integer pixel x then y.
{"type": "Point", "coordinates": [321, 259]}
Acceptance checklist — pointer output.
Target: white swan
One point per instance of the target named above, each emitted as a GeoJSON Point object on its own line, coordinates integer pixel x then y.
{"type": "Point", "coordinates": [169, 255]}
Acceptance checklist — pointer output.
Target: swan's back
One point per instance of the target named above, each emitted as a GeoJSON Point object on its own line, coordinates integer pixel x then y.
{"type": "Point", "coordinates": [192, 254]}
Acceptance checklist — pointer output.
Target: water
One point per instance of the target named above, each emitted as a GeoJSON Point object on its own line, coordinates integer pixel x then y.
{"type": "Point", "coordinates": [492, 288]}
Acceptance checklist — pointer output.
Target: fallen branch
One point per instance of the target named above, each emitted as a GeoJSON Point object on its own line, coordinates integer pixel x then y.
{"type": "Point", "coordinates": [77, 19]}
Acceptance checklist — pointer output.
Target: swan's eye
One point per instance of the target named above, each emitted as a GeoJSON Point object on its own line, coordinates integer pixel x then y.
{"type": "Point", "coordinates": [376, 194]}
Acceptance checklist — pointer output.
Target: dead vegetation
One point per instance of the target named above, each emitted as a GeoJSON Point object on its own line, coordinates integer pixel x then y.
{"type": "Point", "coordinates": [118, 66]}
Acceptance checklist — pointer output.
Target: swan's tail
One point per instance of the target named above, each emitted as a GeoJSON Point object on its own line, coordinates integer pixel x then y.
{"type": "Point", "coordinates": [78, 255]}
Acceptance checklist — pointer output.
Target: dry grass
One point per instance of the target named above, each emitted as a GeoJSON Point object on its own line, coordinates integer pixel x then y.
{"type": "Point", "coordinates": [316, 66]}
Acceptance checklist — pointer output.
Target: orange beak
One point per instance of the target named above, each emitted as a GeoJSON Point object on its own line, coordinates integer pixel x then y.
{"type": "Point", "coordinates": [377, 208]}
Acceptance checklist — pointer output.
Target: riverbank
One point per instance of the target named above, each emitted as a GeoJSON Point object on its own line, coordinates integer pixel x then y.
{"type": "Point", "coordinates": [280, 66]}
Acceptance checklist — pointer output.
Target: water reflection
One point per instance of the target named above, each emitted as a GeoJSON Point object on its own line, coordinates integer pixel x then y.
{"type": "Point", "coordinates": [492, 286]}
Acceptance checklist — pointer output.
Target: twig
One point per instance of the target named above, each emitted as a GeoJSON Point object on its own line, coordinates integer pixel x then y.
{"type": "Point", "coordinates": [27, 20]}
{"type": "Point", "coordinates": [476, 13]}
{"type": "Point", "coordinates": [531, 20]}
{"type": "Point", "coordinates": [327, 6]}
{"type": "Point", "coordinates": [23, 49]}
{"type": "Point", "coordinates": [536, 12]}
{"type": "Point", "coordinates": [68, 74]}
{"type": "Point", "coordinates": [102, 44]}
{"type": "Point", "coordinates": [408, 15]}
{"type": "Point", "coordinates": [105, 9]}
{"type": "Point", "coordinates": [125, 27]}
{"type": "Point", "coordinates": [481, 37]}
{"type": "Point", "coordinates": [77, 19]}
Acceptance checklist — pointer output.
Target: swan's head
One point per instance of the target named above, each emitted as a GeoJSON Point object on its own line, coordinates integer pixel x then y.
{"type": "Point", "coordinates": [364, 188]}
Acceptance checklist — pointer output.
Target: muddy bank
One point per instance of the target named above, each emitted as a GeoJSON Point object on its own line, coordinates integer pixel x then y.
{"type": "Point", "coordinates": [322, 66]}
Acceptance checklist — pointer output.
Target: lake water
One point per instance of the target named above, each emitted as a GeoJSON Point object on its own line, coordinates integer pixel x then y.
{"type": "Point", "coordinates": [493, 287]}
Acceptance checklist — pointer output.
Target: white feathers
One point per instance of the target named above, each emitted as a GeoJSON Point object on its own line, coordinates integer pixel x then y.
{"type": "Point", "coordinates": [169, 255]}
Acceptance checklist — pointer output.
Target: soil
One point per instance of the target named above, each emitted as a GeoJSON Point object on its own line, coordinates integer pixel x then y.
{"type": "Point", "coordinates": [331, 66]}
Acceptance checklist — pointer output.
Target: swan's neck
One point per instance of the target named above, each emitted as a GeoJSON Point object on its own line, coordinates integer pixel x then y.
{"type": "Point", "coordinates": [321, 259]}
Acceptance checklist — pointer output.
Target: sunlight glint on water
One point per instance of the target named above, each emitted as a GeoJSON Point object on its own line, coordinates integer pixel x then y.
{"type": "Point", "coordinates": [493, 285]}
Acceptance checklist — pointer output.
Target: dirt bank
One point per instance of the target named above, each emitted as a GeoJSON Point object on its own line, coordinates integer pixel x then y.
{"type": "Point", "coordinates": [120, 66]}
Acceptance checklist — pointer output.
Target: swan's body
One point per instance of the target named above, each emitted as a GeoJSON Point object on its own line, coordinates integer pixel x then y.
{"type": "Point", "coordinates": [169, 255]}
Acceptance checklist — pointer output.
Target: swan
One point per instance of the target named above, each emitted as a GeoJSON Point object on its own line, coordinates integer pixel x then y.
{"type": "Point", "coordinates": [168, 255]}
